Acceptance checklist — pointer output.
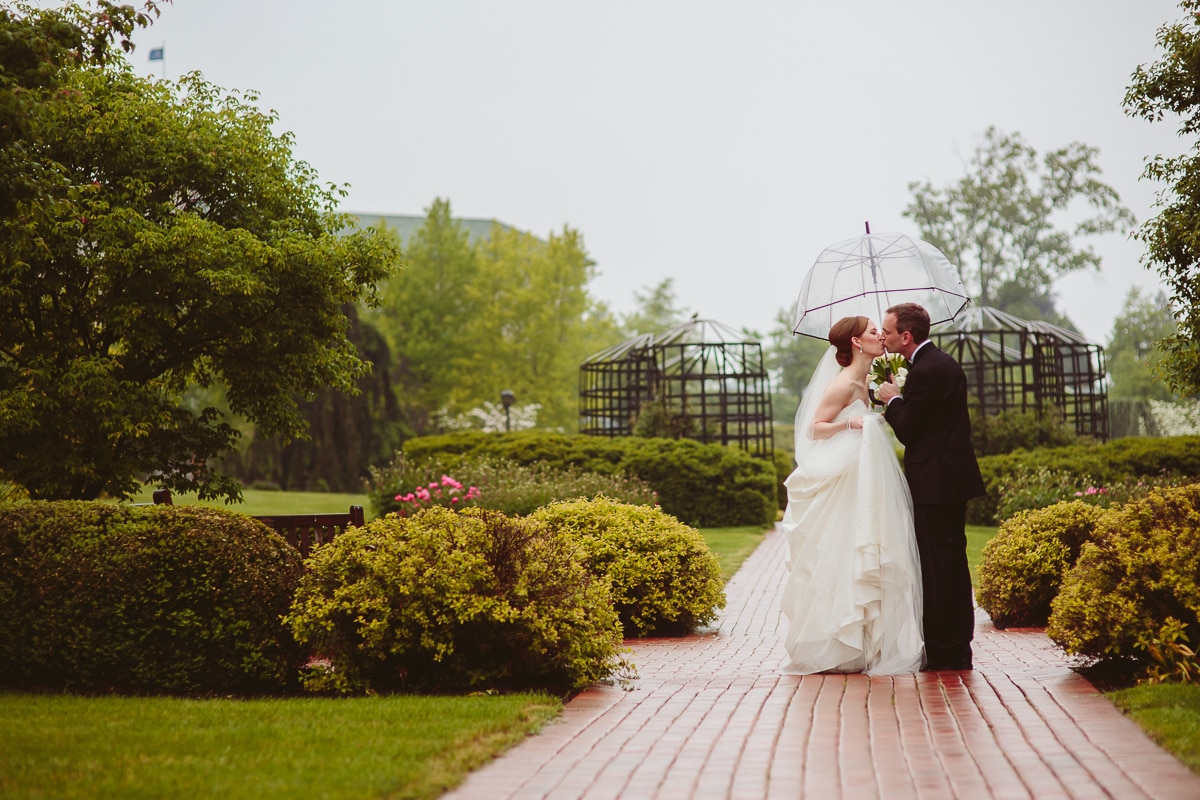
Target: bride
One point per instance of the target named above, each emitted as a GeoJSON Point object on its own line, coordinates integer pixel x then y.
{"type": "Point", "coordinates": [853, 592]}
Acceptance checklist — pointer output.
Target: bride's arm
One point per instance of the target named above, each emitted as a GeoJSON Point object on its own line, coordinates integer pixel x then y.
{"type": "Point", "coordinates": [837, 396]}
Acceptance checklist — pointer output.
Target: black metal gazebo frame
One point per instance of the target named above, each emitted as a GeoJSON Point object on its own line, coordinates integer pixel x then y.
{"type": "Point", "coordinates": [701, 371]}
{"type": "Point", "coordinates": [1028, 365]}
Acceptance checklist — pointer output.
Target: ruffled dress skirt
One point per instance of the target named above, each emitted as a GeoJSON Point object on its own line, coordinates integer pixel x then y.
{"type": "Point", "coordinates": [853, 592]}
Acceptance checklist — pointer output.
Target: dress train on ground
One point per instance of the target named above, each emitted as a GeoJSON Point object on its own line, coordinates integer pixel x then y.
{"type": "Point", "coordinates": [853, 592]}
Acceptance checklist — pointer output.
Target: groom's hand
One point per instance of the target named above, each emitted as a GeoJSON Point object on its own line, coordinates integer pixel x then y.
{"type": "Point", "coordinates": [887, 391]}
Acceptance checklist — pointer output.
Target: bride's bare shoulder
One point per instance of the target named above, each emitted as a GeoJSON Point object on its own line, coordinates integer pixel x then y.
{"type": "Point", "coordinates": [840, 389]}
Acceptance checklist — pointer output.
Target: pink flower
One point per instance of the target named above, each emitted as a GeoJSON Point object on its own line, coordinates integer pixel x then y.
{"type": "Point", "coordinates": [447, 492]}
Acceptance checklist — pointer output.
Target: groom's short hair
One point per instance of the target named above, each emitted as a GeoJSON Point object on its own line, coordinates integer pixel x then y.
{"type": "Point", "coordinates": [912, 318]}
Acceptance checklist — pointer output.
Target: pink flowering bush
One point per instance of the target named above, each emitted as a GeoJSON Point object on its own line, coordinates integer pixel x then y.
{"type": "Point", "coordinates": [1035, 488]}
{"type": "Point", "coordinates": [493, 483]}
{"type": "Point", "coordinates": [447, 493]}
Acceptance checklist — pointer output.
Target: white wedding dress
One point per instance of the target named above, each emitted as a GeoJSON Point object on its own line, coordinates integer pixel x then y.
{"type": "Point", "coordinates": [853, 592]}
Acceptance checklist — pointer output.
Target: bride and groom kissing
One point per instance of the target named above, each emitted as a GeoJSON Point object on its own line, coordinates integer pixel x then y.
{"type": "Point", "coordinates": [878, 580]}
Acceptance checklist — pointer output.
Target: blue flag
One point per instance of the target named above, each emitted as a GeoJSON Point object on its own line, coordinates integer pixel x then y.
{"type": "Point", "coordinates": [156, 53]}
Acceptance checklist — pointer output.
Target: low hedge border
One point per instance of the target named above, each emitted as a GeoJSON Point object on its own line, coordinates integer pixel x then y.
{"type": "Point", "coordinates": [1120, 459]}
{"type": "Point", "coordinates": [703, 485]}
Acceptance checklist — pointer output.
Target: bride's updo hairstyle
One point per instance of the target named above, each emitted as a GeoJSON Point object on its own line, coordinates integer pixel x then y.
{"type": "Point", "coordinates": [842, 332]}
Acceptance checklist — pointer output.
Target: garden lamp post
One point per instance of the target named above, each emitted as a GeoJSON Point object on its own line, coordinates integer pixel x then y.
{"type": "Point", "coordinates": [507, 398]}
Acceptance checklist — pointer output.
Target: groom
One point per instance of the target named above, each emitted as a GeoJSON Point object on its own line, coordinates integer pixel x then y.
{"type": "Point", "coordinates": [930, 419]}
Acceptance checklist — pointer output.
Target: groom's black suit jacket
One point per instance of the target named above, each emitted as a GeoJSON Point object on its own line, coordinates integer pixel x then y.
{"type": "Point", "coordinates": [931, 421]}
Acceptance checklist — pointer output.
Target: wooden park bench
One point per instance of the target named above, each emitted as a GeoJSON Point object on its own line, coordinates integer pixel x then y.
{"type": "Point", "coordinates": [301, 531]}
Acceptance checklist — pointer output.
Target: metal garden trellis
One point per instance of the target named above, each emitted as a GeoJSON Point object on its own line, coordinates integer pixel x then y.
{"type": "Point", "coordinates": [1029, 365]}
{"type": "Point", "coordinates": [701, 370]}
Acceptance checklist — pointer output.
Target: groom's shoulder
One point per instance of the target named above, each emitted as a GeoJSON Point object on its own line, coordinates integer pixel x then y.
{"type": "Point", "coordinates": [931, 355]}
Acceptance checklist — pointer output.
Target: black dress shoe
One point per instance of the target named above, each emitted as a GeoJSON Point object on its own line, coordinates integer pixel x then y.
{"type": "Point", "coordinates": [947, 666]}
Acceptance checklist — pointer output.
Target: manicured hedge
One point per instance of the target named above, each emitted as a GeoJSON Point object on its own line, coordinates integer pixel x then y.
{"type": "Point", "coordinates": [704, 485]}
{"type": "Point", "coordinates": [101, 597]}
{"type": "Point", "coordinates": [406, 485]}
{"type": "Point", "coordinates": [1120, 459]}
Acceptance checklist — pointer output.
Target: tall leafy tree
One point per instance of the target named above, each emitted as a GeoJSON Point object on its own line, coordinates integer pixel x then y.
{"type": "Point", "coordinates": [1014, 222]}
{"type": "Point", "coordinates": [534, 323]}
{"type": "Point", "coordinates": [656, 310]}
{"type": "Point", "coordinates": [467, 320]}
{"type": "Point", "coordinates": [1171, 86]}
{"type": "Point", "coordinates": [163, 237]}
{"type": "Point", "coordinates": [37, 46]}
{"type": "Point", "coordinates": [426, 311]}
{"type": "Point", "coordinates": [1133, 354]}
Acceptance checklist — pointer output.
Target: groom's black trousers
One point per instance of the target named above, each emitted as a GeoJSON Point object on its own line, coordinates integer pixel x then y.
{"type": "Point", "coordinates": [949, 613]}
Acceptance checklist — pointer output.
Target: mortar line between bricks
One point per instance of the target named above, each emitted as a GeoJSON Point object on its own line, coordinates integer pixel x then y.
{"type": "Point", "coordinates": [875, 721]}
{"type": "Point", "coordinates": [711, 748]}
{"type": "Point", "coordinates": [810, 754]}
{"type": "Point", "coordinates": [669, 766]}
{"type": "Point", "coordinates": [673, 692]}
{"type": "Point", "coordinates": [1046, 728]}
{"type": "Point", "coordinates": [953, 690]}
{"type": "Point", "coordinates": [995, 739]}
{"type": "Point", "coordinates": [796, 726]}
{"type": "Point", "coordinates": [763, 694]}
{"type": "Point", "coordinates": [613, 724]}
{"type": "Point", "coordinates": [1050, 728]}
{"type": "Point", "coordinates": [1097, 746]}
{"type": "Point", "coordinates": [551, 755]}
{"type": "Point", "coordinates": [953, 776]}
{"type": "Point", "coordinates": [852, 714]}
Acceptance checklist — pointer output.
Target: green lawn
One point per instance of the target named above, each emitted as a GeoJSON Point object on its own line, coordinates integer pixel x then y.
{"type": "Point", "coordinates": [257, 502]}
{"type": "Point", "coordinates": [123, 747]}
{"type": "Point", "coordinates": [732, 545]}
{"type": "Point", "coordinates": [977, 537]}
{"type": "Point", "coordinates": [1169, 713]}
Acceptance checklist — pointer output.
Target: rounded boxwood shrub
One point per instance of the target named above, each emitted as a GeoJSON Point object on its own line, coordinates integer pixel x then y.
{"type": "Point", "coordinates": [101, 597]}
{"type": "Point", "coordinates": [664, 578]}
{"type": "Point", "coordinates": [1135, 589]}
{"type": "Point", "coordinates": [452, 601]}
{"type": "Point", "coordinates": [1024, 563]}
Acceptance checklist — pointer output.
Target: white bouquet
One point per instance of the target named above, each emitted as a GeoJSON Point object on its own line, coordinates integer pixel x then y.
{"type": "Point", "coordinates": [888, 364]}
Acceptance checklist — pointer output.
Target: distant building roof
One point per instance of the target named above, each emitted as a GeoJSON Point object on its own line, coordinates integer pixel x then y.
{"type": "Point", "coordinates": [405, 225]}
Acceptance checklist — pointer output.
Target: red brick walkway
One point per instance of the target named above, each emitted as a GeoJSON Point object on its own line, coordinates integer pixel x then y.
{"type": "Point", "coordinates": [711, 717]}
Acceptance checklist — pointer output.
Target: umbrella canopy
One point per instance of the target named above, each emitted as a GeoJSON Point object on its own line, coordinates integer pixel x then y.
{"type": "Point", "coordinates": [867, 274]}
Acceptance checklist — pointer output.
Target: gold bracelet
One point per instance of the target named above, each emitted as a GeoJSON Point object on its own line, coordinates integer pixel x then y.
{"type": "Point", "coordinates": [847, 423]}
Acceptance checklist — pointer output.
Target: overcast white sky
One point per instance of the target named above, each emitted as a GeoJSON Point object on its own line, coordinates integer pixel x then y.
{"type": "Point", "coordinates": [720, 144]}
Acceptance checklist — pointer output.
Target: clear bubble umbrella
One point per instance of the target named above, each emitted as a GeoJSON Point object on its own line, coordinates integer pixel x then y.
{"type": "Point", "coordinates": [867, 274]}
